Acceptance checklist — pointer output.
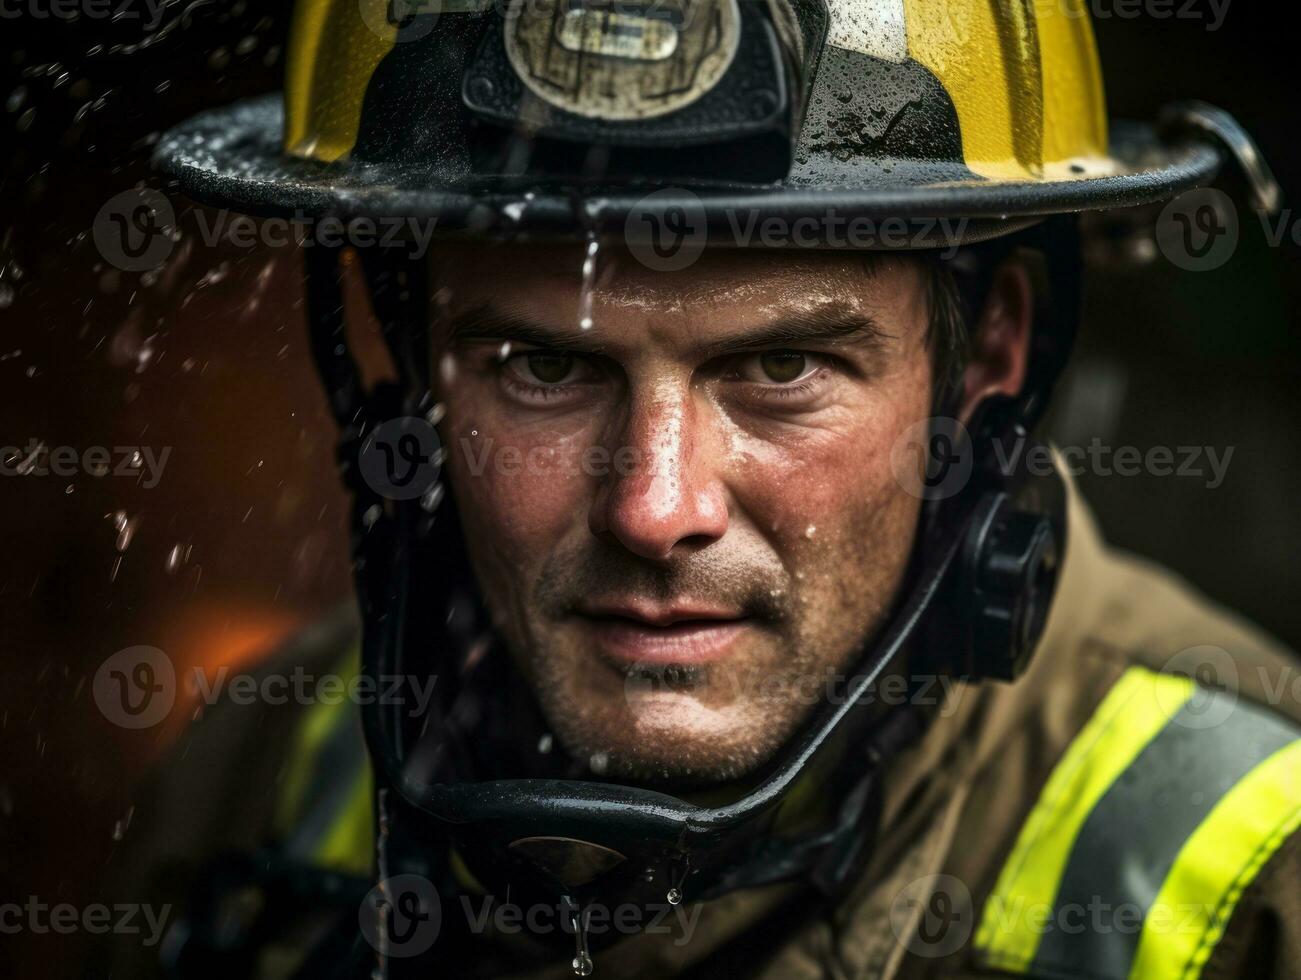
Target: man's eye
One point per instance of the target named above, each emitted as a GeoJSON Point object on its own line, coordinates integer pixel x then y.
{"type": "Point", "coordinates": [544, 367]}
{"type": "Point", "coordinates": [776, 367]}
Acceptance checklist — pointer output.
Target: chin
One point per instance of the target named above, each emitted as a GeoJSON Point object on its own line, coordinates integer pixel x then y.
{"type": "Point", "coordinates": [672, 738]}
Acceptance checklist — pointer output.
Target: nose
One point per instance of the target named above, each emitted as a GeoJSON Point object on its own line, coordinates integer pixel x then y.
{"type": "Point", "coordinates": [663, 491]}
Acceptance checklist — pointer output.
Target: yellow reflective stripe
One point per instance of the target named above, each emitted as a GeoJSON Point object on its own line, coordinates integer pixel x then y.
{"type": "Point", "coordinates": [318, 724]}
{"type": "Point", "coordinates": [1217, 862]}
{"type": "Point", "coordinates": [348, 843]}
{"type": "Point", "coordinates": [1134, 711]}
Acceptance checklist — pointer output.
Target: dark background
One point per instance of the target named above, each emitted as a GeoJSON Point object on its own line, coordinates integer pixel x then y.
{"type": "Point", "coordinates": [210, 360]}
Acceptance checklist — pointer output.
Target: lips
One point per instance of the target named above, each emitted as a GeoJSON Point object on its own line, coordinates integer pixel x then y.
{"type": "Point", "coordinates": [632, 633]}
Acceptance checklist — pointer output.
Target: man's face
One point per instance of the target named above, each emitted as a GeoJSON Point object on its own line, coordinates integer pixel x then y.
{"type": "Point", "coordinates": [677, 493]}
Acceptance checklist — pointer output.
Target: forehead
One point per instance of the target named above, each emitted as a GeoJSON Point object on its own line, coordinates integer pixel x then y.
{"type": "Point", "coordinates": [546, 282]}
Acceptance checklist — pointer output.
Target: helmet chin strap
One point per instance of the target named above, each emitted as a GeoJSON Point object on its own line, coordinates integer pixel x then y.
{"type": "Point", "coordinates": [974, 606]}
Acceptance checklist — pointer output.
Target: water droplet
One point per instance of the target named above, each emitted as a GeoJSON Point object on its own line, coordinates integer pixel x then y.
{"type": "Point", "coordinates": [674, 897]}
{"type": "Point", "coordinates": [126, 529]}
{"type": "Point", "coordinates": [447, 369]}
{"type": "Point", "coordinates": [173, 559]}
{"type": "Point", "coordinates": [28, 463]}
{"type": "Point", "coordinates": [545, 743]}
{"type": "Point", "coordinates": [589, 282]}
{"type": "Point", "coordinates": [431, 498]}
{"type": "Point", "coordinates": [582, 964]}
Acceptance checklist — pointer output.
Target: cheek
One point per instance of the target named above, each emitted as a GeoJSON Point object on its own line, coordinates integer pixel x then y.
{"type": "Point", "coordinates": [821, 490]}
{"type": "Point", "coordinates": [518, 489]}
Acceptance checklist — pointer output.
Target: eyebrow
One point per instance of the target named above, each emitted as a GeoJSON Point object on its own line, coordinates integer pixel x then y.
{"type": "Point", "coordinates": [836, 325]}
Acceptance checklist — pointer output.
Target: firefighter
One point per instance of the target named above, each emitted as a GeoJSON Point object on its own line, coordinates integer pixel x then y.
{"type": "Point", "coordinates": [759, 648]}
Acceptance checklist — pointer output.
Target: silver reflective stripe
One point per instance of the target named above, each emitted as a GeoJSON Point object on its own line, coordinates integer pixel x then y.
{"type": "Point", "coordinates": [871, 27]}
{"type": "Point", "coordinates": [1131, 839]}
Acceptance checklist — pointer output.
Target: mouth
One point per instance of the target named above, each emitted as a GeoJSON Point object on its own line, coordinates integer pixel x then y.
{"type": "Point", "coordinates": [630, 634]}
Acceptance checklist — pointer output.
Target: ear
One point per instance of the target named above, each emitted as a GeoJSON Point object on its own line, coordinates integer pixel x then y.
{"type": "Point", "coordinates": [1000, 344]}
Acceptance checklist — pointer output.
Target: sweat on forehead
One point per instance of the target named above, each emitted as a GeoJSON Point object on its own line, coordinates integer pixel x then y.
{"type": "Point", "coordinates": [465, 275]}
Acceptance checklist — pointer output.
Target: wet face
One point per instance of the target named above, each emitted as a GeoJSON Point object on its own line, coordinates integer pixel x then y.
{"type": "Point", "coordinates": [677, 491]}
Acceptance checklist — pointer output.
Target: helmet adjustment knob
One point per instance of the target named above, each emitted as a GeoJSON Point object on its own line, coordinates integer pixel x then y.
{"type": "Point", "coordinates": [1010, 575]}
